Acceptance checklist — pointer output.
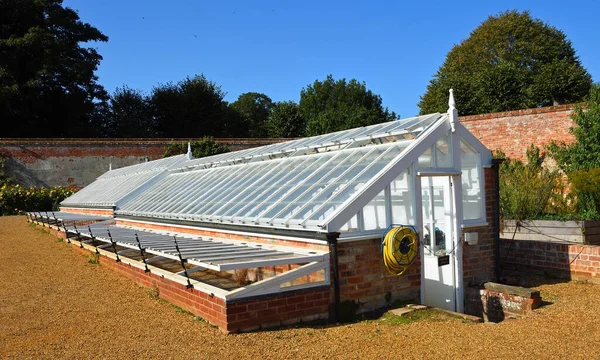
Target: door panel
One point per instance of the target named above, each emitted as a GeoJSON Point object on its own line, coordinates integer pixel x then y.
{"type": "Point", "coordinates": [438, 254]}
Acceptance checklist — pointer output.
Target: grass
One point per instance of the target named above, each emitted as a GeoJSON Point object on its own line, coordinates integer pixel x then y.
{"type": "Point", "coordinates": [430, 315]}
{"type": "Point", "coordinates": [93, 258]}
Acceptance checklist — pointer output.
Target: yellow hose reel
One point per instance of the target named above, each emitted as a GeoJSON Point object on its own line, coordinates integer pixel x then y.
{"type": "Point", "coordinates": [400, 247]}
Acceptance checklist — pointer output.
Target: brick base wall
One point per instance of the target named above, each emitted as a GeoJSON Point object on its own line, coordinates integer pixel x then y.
{"type": "Point", "coordinates": [479, 261]}
{"type": "Point", "coordinates": [574, 262]}
{"type": "Point", "coordinates": [232, 316]}
{"type": "Point", "coordinates": [86, 211]}
{"type": "Point", "coordinates": [365, 281]}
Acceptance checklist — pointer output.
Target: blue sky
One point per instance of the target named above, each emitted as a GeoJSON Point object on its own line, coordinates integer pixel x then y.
{"type": "Point", "coordinates": [278, 47]}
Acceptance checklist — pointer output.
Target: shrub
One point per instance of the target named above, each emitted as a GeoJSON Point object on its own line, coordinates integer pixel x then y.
{"type": "Point", "coordinates": [16, 199]}
{"type": "Point", "coordinates": [529, 191]}
{"type": "Point", "coordinates": [585, 192]}
{"type": "Point", "coordinates": [205, 147]}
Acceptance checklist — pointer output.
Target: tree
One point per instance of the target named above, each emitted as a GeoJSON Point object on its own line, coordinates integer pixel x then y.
{"type": "Point", "coordinates": [205, 147]}
{"type": "Point", "coordinates": [191, 108]}
{"type": "Point", "coordinates": [584, 153]}
{"type": "Point", "coordinates": [332, 105]}
{"type": "Point", "coordinates": [286, 120]}
{"type": "Point", "coordinates": [47, 83]}
{"type": "Point", "coordinates": [253, 110]}
{"type": "Point", "coordinates": [131, 114]}
{"type": "Point", "coordinates": [510, 61]}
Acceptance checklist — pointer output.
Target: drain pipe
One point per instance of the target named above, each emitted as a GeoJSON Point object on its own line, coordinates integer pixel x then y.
{"type": "Point", "coordinates": [496, 166]}
{"type": "Point", "coordinates": [332, 239]}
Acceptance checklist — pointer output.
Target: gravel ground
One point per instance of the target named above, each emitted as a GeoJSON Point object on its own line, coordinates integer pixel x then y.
{"type": "Point", "coordinates": [54, 304]}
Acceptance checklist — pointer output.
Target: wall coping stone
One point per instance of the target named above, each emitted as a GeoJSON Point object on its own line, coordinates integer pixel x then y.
{"type": "Point", "coordinates": [512, 290]}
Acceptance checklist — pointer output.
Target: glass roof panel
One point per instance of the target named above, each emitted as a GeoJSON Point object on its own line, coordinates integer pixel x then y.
{"type": "Point", "coordinates": [413, 126]}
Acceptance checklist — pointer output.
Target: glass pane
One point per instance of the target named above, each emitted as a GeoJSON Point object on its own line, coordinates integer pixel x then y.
{"type": "Point", "coordinates": [443, 152]}
{"type": "Point", "coordinates": [403, 212]}
{"type": "Point", "coordinates": [425, 160]}
{"type": "Point", "coordinates": [351, 225]}
{"type": "Point", "coordinates": [434, 214]}
{"type": "Point", "coordinates": [339, 194]}
{"type": "Point", "coordinates": [374, 213]}
{"type": "Point", "coordinates": [471, 182]}
{"type": "Point", "coordinates": [325, 176]}
{"type": "Point", "coordinates": [302, 174]}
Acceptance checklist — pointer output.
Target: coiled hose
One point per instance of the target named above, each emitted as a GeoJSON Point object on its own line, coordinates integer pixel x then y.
{"type": "Point", "coordinates": [400, 247]}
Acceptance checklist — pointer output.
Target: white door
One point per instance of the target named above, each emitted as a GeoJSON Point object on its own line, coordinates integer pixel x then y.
{"type": "Point", "coordinates": [438, 242]}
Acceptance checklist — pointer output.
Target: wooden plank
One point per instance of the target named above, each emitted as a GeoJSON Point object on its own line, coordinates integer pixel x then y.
{"type": "Point", "coordinates": [547, 223]}
{"type": "Point", "coordinates": [508, 231]}
{"type": "Point", "coordinates": [553, 238]}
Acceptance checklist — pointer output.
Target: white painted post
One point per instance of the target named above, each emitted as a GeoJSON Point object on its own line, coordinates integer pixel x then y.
{"type": "Point", "coordinates": [452, 112]}
{"type": "Point", "coordinates": [456, 182]}
{"type": "Point", "coordinates": [189, 152]}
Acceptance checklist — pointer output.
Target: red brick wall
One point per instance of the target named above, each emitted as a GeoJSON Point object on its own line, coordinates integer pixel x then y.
{"type": "Point", "coordinates": [365, 281]}
{"type": "Point", "coordinates": [576, 262]}
{"type": "Point", "coordinates": [277, 310]}
{"type": "Point", "coordinates": [87, 211]}
{"type": "Point", "coordinates": [513, 131]}
{"type": "Point", "coordinates": [479, 260]}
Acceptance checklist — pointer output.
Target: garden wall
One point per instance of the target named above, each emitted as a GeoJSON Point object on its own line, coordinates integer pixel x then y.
{"type": "Point", "coordinates": [565, 261]}
{"type": "Point", "coordinates": [78, 162]}
{"type": "Point", "coordinates": [513, 131]}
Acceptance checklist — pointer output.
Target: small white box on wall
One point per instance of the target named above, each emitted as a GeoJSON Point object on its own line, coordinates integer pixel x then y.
{"type": "Point", "coordinates": [471, 238]}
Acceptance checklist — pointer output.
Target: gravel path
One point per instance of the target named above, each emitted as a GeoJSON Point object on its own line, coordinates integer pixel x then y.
{"type": "Point", "coordinates": [54, 304]}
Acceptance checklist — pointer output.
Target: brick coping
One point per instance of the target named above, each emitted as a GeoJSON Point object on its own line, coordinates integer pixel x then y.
{"type": "Point", "coordinates": [132, 141]}
{"type": "Point", "coordinates": [514, 113]}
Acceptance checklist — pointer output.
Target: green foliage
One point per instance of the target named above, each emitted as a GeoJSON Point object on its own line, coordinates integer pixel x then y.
{"type": "Point", "coordinates": [45, 70]}
{"type": "Point", "coordinates": [511, 61]}
{"type": "Point", "coordinates": [16, 199]}
{"type": "Point", "coordinates": [253, 110]}
{"type": "Point", "coordinates": [584, 153]}
{"type": "Point", "coordinates": [191, 107]}
{"type": "Point", "coordinates": [93, 258]}
{"type": "Point", "coordinates": [205, 147]}
{"type": "Point", "coordinates": [528, 191]}
{"type": "Point", "coordinates": [152, 292]}
{"type": "Point", "coordinates": [332, 105]}
{"type": "Point", "coordinates": [286, 121]}
{"type": "Point", "coordinates": [131, 114]}
{"type": "Point", "coordinates": [585, 192]}
{"type": "Point", "coordinates": [427, 315]}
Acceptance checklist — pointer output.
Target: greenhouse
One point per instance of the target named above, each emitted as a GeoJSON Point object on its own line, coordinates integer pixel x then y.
{"type": "Point", "coordinates": [306, 215]}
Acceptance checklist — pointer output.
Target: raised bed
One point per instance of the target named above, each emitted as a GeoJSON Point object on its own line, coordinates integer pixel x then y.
{"type": "Point", "coordinates": [580, 232]}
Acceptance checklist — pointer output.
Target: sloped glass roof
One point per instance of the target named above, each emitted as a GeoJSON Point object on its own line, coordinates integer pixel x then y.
{"type": "Point", "coordinates": [291, 192]}
{"type": "Point", "coordinates": [410, 127]}
{"type": "Point", "coordinates": [114, 185]}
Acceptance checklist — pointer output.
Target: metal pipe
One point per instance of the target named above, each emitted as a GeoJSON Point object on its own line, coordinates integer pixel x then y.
{"type": "Point", "coordinates": [332, 241]}
{"type": "Point", "coordinates": [496, 166]}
